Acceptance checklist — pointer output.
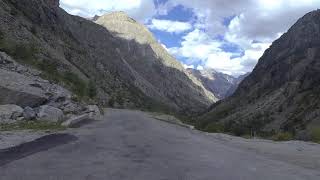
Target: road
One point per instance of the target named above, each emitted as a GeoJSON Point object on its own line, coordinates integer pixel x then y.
{"type": "Point", "coordinates": [130, 145]}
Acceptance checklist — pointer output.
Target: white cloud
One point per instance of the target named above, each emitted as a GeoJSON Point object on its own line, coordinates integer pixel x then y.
{"type": "Point", "coordinates": [252, 21]}
{"type": "Point", "coordinates": [199, 48]}
{"type": "Point", "coordinates": [196, 45]}
{"type": "Point", "coordinates": [141, 10]}
{"type": "Point", "coordinates": [170, 26]}
{"type": "Point", "coordinates": [188, 66]}
{"type": "Point", "coordinates": [200, 68]}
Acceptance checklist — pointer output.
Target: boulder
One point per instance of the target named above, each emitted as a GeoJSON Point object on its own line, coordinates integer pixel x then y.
{"type": "Point", "coordinates": [49, 113]}
{"type": "Point", "coordinates": [18, 89]}
{"type": "Point", "coordinates": [93, 111]}
{"type": "Point", "coordinates": [76, 120]}
{"type": "Point", "coordinates": [10, 113]}
{"type": "Point", "coordinates": [29, 113]}
{"type": "Point", "coordinates": [72, 108]}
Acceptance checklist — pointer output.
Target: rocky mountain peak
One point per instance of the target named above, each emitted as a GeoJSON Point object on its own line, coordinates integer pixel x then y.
{"type": "Point", "coordinates": [118, 16]}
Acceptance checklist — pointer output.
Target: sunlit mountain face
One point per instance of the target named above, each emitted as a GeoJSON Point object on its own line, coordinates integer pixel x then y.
{"type": "Point", "coordinates": [228, 36]}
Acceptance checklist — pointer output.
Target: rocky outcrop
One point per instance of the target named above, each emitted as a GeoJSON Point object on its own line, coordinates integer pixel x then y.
{"type": "Point", "coordinates": [49, 113]}
{"type": "Point", "coordinates": [29, 114]}
{"type": "Point", "coordinates": [282, 92]}
{"type": "Point", "coordinates": [10, 113]}
{"type": "Point", "coordinates": [221, 85]}
{"type": "Point", "coordinates": [23, 87]}
{"type": "Point", "coordinates": [21, 90]}
{"type": "Point", "coordinates": [76, 120]}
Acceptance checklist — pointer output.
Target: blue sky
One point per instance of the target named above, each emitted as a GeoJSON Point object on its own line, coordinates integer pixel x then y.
{"type": "Point", "coordinates": [227, 35]}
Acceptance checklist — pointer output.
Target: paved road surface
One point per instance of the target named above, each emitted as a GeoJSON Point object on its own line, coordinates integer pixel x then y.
{"type": "Point", "coordinates": [130, 145]}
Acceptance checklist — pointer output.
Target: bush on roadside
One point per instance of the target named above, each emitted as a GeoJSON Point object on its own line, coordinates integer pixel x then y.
{"type": "Point", "coordinates": [214, 128]}
{"type": "Point", "coordinates": [282, 136]}
{"type": "Point", "coordinates": [315, 134]}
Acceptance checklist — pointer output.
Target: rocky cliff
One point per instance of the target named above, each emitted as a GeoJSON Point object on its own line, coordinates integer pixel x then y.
{"type": "Point", "coordinates": [110, 65]}
{"type": "Point", "coordinates": [282, 92]}
{"type": "Point", "coordinates": [221, 85]}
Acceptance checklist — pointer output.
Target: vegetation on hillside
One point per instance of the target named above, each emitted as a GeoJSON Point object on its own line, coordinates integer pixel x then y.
{"type": "Point", "coordinates": [26, 53]}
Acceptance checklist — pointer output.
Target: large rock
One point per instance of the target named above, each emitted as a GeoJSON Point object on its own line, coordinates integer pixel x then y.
{"type": "Point", "coordinates": [10, 113]}
{"type": "Point", "coordinates": [93, 111]}
{"type": "Point", "coordinates": [49, 113]}
{"type": "Point", "coordinates": [21, 90]}
{"type": "Point", "coordinates": [29, 113]}
{"type": "Point", "coordinates": [76, 120]}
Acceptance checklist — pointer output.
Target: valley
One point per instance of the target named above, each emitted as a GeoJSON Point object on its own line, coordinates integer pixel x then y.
{"type": "Point", "coordinates": [113, 96]}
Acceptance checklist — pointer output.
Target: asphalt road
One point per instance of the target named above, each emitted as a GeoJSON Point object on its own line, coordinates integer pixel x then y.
{"type": "Point", "coordinates": [130, 145]}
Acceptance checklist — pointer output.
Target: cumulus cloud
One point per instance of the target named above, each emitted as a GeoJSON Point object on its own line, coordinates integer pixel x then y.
{"type": "Point", "coordinates": [170, 26]}
{"type": "Point", "coordinates": [250, 24]}
{"type": "Point", "coordinates": [188, 66]}
{"type": "Point", "coordinates": [199, 48]}
{"type": "Point", "coordinates": [141, 10]}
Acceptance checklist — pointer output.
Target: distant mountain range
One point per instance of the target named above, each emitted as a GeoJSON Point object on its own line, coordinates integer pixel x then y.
{"type": "Point", "coordinates": [221, 85]}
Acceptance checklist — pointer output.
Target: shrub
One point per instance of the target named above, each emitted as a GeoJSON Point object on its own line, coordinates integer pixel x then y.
{"type": "Point", "coordinates": [1, 35]}
{"type": "Point", "coordinates": [282, 136]}
{"type": "Point", "coordinates": [34, 30]}
{"type": "Point", "coordinates": [315, 134]}
{"type": "Point", "coordinates": [77, 85]}
{"type": "Point", "coordinates": [92, 90]}
{"type": "Point", "coordinates": [25, 52]}
{"type": "Point", "coordinates": [22, 52]}
{"type": "Point", "coordinates": [214, 128]}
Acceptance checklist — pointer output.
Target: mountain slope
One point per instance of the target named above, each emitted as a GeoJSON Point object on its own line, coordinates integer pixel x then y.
{"type": "Point", "coordinates": [283, 91]}
{"type": "Point", "coordinates": [221, 85]}
{"type": "Point", "coordinates": [235, 84]}
{"type": "Point", "coordinates": [70, 49]}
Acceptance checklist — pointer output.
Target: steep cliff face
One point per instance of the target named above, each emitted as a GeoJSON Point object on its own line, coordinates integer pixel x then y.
{"type": "Point", "coordinates": [283, 91]}
{"type": "Point", "coordinates": [124, 72]}
{"type": "Point", "coordinates": [221, 85]}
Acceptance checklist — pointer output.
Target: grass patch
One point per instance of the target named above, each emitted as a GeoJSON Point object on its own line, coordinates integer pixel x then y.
{"type": "Point", "coordinates": [282, 136]}
{"type": "Point", "coordinates": [70, 80]}
{"type": "Point", "coordinates": [215, 128]}
{"type": "Point", "coordinates": [32, 125]}
{"type": "Point", "coordinates": [22, 52]}
{"type": "Point", "coordinates": [315, 134]}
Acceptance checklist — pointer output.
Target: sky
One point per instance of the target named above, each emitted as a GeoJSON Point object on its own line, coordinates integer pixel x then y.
{"type": "Point", "coordinates": [227, 35]}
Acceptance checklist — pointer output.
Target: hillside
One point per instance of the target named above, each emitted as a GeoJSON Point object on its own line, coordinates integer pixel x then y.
{"type": "Point", "coordinates": [112, 69]}
{"type": "Point", "coordinates": [282, 92]}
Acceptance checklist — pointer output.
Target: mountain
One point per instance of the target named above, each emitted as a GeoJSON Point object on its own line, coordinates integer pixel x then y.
{"type": "Point", "coordinates": [221, 85]}
{"type": "Point", "coordinates": [120, 63]}
{"type": "Point", "coordinates": [235, 85]}
{"type": "Point", "coordinates": [283, 91]}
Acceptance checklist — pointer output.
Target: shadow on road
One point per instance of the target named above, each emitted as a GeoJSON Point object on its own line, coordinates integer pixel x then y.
{"type": "Point", "coordinates": [42, 144]}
